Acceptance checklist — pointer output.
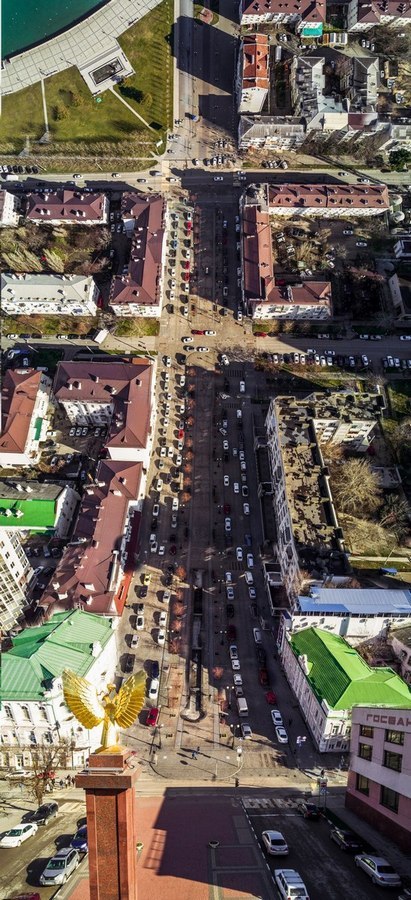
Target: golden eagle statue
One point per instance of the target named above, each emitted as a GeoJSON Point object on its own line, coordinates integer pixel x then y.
{"type": "Point", "coordinates": [91, 707]}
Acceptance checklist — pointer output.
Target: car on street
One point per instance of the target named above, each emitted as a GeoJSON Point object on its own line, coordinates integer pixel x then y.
{"type": "Point", "coordinates": [60, 867]}
{"type": "Point", "coordinates": [225, 360]}
{"type": "Point", "coordinates": [153, 689]}
{"type": "Point", "coordinates": [348, 231]}
{"type": "Point", "coordinates": [230, 611]}
{"type": "Point", "coordinates": [210, 333]}
{"type": "Point", "coordinates": [18, 834]}
{"type": "Point", "coordinates": [43, 814]}
{"type": "Point", "coordinates": [156, 509]}
{"type": "Point", "coordinates": [237, 679]}
{"type": "Point", "coordinates": [188, 340]}
{"type": "Point", "coordinates": [242, 387]}
{"type": "Point", "coordinates": [230, 593]}
{"type": "Point", "coordinates": [134, 642]}
{"type": "Point", "coordinates": [405, 337]}
{"type": "Point", "coordinates": [246, 731]}
{"type": "Point", "coordinates": [378, 869]}
{"type": "Point", "coordinates": [282, 736]}
{"type": "Point", "coordinates": [274, 843]}
{"type": "Point", "coordinates": [239, 554]}
{"type": "Point", "coordinates": [152, 716]}
{"type": "Point", "coordinates": [290, 884]}
{"type": "Point", "coordinates": [361, 244]}
{"type": "Point", "coordinates": [252, 593]}
{"type": "Point", "coordinates": [270, 697]}
{"type": "Point", "coordinates": [161, 637]}
{"type": "Point", "coordinates": [276, 717]}
{"type": "Point", "coordinates": [227, 524]}
{"type": "Point", "coordinates": [202, 349]}
{"type": "Point", "coordinates": [235, 665]}
{"type": "Point", "coordinates": [250, 560]}
{"type": "Point", "coordinates": [79, 841]}
{"type": "Point", "coordinates": [346, 839]}
{"type": "Point", "coordinates": [308, 810]}
{"type": "Point", "coordinates": [246, 509]}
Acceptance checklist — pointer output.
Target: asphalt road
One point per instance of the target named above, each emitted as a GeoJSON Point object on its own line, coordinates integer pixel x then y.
{"type": "Point", "coordinates": [327, 871]}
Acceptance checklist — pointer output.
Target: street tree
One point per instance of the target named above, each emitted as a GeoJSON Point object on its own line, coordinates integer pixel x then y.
{"type": "Point", "coordinates": [399, 159]}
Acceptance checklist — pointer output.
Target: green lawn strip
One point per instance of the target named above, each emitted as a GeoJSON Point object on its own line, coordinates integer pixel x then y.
{"type": "Point", "coordinates": [150, 90]}
{"type": "Point", "coordinates": [137, 328]}
{"type": "Point", "coordinates": [371, 565]}
{"type": "Point", "coordinates": [48, 324]}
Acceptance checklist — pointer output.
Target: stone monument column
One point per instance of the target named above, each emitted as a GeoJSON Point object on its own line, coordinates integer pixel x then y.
{"type": "Point", "coordinates": [111, 824]}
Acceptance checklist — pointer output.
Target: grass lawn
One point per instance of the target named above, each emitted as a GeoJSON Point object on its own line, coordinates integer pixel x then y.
{"type": "Point", "coordinates": [137, 328]}
{"type": "Point", "coordinates": [48, 324]}
{"type": "Point", "coordinates": [399, 393]}
{"type": "Point", "coordinates": [80, 126]}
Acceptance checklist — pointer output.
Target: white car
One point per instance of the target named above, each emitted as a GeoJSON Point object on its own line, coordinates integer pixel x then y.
{"type": "Point", "coordinates": [227, 524]}
{"type": "Point", "coordinates": [174, 504]}
{"type": "Point", "coordinates": [236, 487]}
{"type": "Point", "coordinates": [246, 509]}
{"type": "Point", "coordinates": [159, 485]}
{"type": "Point", "coordinates": [239, 554]}
{"type": "Point", "coordinates": [134, 642]}
{"type": "Point", "coordinates": [170, 452]}
{"type": "Point", "coordinates": [163, 619]}
{"type": "Point", "coordinates": [250, 560]}
{"type": "Point", "coordinates": [274, 843]}
{"type": "Point", "coordinates": [140, 623]}
{"type": "Point", "coordinates": [246, 732]}
{"type": "Point", "coordinates": [163, 452]}
{"type": "Point", "coordinates": [230, 593]}
{"type": "Point", "coordinates": [379, 870]}
{"type": "Point", "coordinates": [156, 510]}
{"type": "Point", "coordinates": [242, 387]}
{"type": "Point", "coordinates": [237, 680]}
{"type": "Point", "coordinates": [282, 736]}
{"type": "Point", "coordinates": [235, 665]}
{"type": "Point", "coordinates": [276, 716]}
{"type": "Point", "coordinates": [290, 884]}
{"type": "Point", "coordinates": [226, 480]}
{"type": "Point", "coordinates": [154, 546]}
{"type": "Point", "coordinates": [210, 333]}
{"type": "Point", "coordinates": [228, 578]}
{"type": "Point", "coordinates": [225, 360]}
{"type": "Point", "coordinates": [188, 339]}
{"type": "Point", "coordinates": [153, 689]}
{"type": "Point", "coordinates": [18, 834]}
{"type": "Point", "coordinates": [161, 550]}
{"type": "Point", "coordinates": [405, 337]}
{"type": "Point", "coordinates": [161, 637]}
{"type": "Point", "coordinates": [178, 460]}
{"type": "Point", "coordinates": [225, 445]}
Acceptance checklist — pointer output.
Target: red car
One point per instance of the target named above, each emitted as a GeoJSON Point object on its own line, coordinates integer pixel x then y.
{"type": "Point", "coordinates": [186, 276]}
{"type": "Point", "coordinates": [196, 331]}
{"type": "Point", "coordinates": [260, 334]}
{"type": "Point", "coordinates": [186, 265]}
{"type": "Point", "coordinates": [181, 434]}
{"type": "Point", "coordinates": [271, 698]}
{"type": "Point", "coordinates": [263, 677]}
{"type": "Point", "coordinates": [152, 717]}
{"type": "Point", "coordinates": [189, 226]}
{"type": "Point", "coordinates": [227, 509]}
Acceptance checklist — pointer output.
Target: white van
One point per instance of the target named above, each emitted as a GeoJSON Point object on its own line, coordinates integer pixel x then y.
{"type": "Point", "coordinates": [242, 706]}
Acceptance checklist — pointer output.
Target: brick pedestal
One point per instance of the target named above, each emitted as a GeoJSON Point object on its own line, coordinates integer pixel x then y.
{"type": "Point", "coordinates": [111, 824]}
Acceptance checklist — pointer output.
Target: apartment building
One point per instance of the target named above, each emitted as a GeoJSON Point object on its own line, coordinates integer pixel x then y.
{"type": "Point", "coordinates": [37, 507]}
{"type": "Point", "coordinates": [271, 132]}
{"type": "Point", "coordinates": [15, 576]}
{"type": "Point", "coordinates": [330, 201]}
{"type": "Point", "coordinates": [379, 783]}
{"type": "Point", "coordinates": [8, 208]}
{"type": "Point", "coordinates": [32, 708]}
{"type": "Point", "coordinates": [50, 295]}
{"type": "Point", "coordinates": [363, 15]}
{"type": "Point", "coordinates": [329, 679]}
{"type": "Point", "coordinates": [139, 290]}
{"type": "Point", "coordinates": [304, 300]}
{"type": "Point", "coordinates": [253, 74]}
{"type": "Point", "coordinates": [400, 640]}
{"type": "Point", "coordinates": [306, 16]}
{"type": "Point", "coordinates": [67, 206]}
{"type": "Point", "coordinates": [25, 398]}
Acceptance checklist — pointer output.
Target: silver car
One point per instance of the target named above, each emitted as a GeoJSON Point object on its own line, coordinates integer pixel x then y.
{"type": "Point", "coordinates": [60, 867]}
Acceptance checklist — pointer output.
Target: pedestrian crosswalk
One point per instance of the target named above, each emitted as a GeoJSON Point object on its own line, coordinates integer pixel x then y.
{"type": "Point", "coordinates": [276, 803]}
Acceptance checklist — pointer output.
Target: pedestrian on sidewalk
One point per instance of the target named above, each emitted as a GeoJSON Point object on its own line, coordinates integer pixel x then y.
{"type": "Point", "coordinates": [61, 784]}
{"type": "Point", "coordinates": [194, 754]}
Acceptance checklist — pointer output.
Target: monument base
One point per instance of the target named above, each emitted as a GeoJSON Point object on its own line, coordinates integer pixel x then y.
{"type": "Point", "coordinates": [111, 824]}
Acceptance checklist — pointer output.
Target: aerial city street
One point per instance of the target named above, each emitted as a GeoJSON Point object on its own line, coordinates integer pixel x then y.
{"type": "Point", "coordinates": [205, 443]}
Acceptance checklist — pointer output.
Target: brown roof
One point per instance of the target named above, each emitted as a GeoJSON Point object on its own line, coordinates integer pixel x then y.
{"type": "Point", "coordinates": [255, 61]}
{"type": "Point", "coordinates": [87, 572]}
{"type": "Point", "coordinates": [142, 283]}
{"type": "Point", "coordinates": [305, 294]}
{"type": "Point", "coordinates": [307, 10]}
{"type": "Point", "coordinates": [326, 196]}
{"type": "Point", "coordinates": [377, 11]}
{"type": "Point", "coordinates": [19, 395]}
{"type": "Point", "coordinates": [126, 385]}
{"type": "Point", "coordinates": [257, 253]}
{"type": "Point", "coordinates": [69, 206]}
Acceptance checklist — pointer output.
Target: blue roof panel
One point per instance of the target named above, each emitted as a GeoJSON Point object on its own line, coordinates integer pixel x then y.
{"type": "Point", "coordinates": [361, 602]}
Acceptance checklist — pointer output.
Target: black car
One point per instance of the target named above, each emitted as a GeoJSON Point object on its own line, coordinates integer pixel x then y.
{"type": "Point", "coordinates": [154, 525]}
{"type": "Point", "coordinates": [129, 663]}
{"type": "Point", "coordinates": [140, 608]}
{"type": "Point", "coordinates": [143, 591]}
{"type": "Point", "coordinates": [25, 337]}
{"type": "Point", "coordinates": [155, 669]}
{"type": "Point", "coordinates": [43, 814]}
{"type": "Point", "coordinates": [230, 611]}
{"type": "Point", "coordinates": [168, 579]}
{"type": "Point", "coordinates": [48, 570]}
{"type": "Point", "coordinates": [308, 810]}
{"type": "Point", "coordinates": [261, 656]}
{"type": "Point", "coordinates": [346, 840]}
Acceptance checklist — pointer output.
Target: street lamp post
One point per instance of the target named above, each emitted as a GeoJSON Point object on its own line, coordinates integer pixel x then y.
{"type": "Point", "coordinates": [228, 688]}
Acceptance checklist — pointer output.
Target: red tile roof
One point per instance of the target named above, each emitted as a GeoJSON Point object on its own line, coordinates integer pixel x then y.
{"type": "Point", "coordinates": [307, 10]}
{"type": "Point", "coordinates": [307, 293]}
{"type": "Point", "coordinates": [68, 206]}
{"type": "Point", "coordinates": [126, 385]}
{"type": "Point", "coordinates": [256, 53]}
{"type": "Point", "coordinates": [327, 196]}
{"type": "Point", "coordinates": [377, 10]}
{"type": "Point", "coordinates": [19, 394]}
{"type": "Point", "coordinates": [257, 253]}
{"type": "Point", "coordinates": [88, 571]}
{"type": "Point", "coordinates": [141, 284]}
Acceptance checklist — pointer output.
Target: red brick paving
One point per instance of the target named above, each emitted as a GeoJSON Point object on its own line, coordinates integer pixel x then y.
{"type": "Point", "coordinates": [177, 862]}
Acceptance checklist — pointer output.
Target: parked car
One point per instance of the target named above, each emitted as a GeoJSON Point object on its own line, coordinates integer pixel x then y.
{"type": "Point", "coordinates": [308, 810]}
{"type": "Point", "coordinates": [274, 843]}
{"type": "Point", "coordinates": [152, 716]}
{"type": "Point", "coordinates": [18, 834]}
{"type": "Point", "coordinates": [345, 839]}
{"type": "Point", "coordinates": [43, 814]}
{"type": "Point", "coordinates": [378, 869]}
{"type": "Point", "coordinates": [79, 841]}
{"type": "Point", "coordinates": [60, 867]}
{"type": "Point", "coordinates": [290, 884]}
{"type": "Point", "coordinates": [282, 736]}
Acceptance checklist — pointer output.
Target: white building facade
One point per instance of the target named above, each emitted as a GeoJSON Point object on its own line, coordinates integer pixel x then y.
{"type": "Point", "coordinates": [52, 295]}
{"type": "Point", "coordinates": [15, 576]}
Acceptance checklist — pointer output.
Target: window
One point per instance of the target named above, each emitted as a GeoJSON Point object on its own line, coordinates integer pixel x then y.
{"type": "Point", "coordinates": [394, 737]}
{"type": "Point", "coordinates": [363, 785]}
{"type": "Point", "coordinates": [389, 798]}
{"type": "Point", "coordinates": [366, 731]}
{"type": "Point", "coordinates": [392, 760]}
{"type": "Point", "coordinates": [365, 751]}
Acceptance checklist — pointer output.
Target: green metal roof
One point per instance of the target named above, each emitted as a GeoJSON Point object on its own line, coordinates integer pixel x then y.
{"type": "Point", "coordinates": [339, 675]}
{"type": "Point", "coordinates": [37, 428]}
{"type": "Point", "coordinates": [39, 655]}
{"type": "Point", "coordinates": [36, 513]}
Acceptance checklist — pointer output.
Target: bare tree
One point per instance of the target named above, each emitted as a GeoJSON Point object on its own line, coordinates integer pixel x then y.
{"type": "Point", "coordinates": [356, 487]}
{"type": "Point", "coordinates": [45, 759]}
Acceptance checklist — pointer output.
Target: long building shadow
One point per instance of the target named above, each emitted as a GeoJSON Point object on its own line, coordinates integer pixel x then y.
{"type": "Point", "coordinates": [205, 52]}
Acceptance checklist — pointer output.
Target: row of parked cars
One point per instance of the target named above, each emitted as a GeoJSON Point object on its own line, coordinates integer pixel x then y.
{"type": "Point", "coordinates": [66, 860]}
